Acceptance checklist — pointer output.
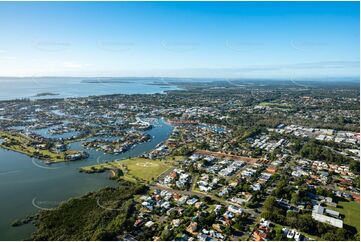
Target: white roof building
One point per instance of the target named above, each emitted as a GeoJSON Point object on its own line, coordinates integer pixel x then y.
{"type": "Point", "coordinates": [235, 209]}
{"type": "Point", "coordinates": [323, 215]}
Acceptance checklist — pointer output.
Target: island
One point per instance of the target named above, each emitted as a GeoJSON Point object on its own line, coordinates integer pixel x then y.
{"type": "Point", "coordinates": [42, 94]}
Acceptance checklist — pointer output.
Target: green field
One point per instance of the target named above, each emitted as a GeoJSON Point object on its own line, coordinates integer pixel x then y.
{"type": "Point", "coordinates": [275, 105]}
{"type": "Point", "coordinates": [135, 168]}
{"type": "Point", "coordinates": [351, 211]}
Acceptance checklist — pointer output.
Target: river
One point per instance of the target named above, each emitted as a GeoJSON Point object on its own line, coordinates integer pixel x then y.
{"type": "Point", "coordinates": [27, 184]}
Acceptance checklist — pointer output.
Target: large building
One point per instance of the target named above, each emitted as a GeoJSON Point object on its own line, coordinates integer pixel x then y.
{"type": "Point", "coordinates": [323, 215]}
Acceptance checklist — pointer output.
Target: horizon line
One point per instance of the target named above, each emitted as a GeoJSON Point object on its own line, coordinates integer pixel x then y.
{"type": "Point", "coordinates": [190, 77]}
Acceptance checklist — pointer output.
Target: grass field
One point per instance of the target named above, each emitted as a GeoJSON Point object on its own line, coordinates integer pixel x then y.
{"type": "Point", "coordinates": [351, 211]}
{"type": "Point", "coordinates": [146, 169]}
{"type": "Point", "coordinates": [136, 168]}
{"type": "Point", "coordinates": [275, 105]}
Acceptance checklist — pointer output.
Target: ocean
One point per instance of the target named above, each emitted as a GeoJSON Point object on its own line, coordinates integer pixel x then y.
{"type": "Point", "coordinates": [66, 87]}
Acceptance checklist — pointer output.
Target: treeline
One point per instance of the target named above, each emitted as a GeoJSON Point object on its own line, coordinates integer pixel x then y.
{"type": "Point", "coordinates": [100, 215]}
{"type": "Point", "coordinates": [314, 151]}
{"type": "Point", "coordinates": [304, 222]}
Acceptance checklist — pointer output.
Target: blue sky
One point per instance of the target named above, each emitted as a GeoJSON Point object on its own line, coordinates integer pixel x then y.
{"type": "Point", "coordinates": [180, 39]}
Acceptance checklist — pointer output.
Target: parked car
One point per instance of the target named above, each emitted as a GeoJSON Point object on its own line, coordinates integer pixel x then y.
{"type": "Point", "coordinates": [298, 236]}
{"type": "Point", "coordinates": [291, 234]}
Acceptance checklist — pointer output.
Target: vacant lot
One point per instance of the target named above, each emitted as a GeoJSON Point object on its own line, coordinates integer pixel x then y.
{"type": "Point", "coordinates": [136, 168]}
{"type": "Point", "coordinates": [145, 169]}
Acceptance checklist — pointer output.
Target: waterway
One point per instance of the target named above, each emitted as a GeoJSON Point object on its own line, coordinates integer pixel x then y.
{"type": "Point", "coordinates": [66, 87]}
{"type": "Point", "coordinates": [28, 184]}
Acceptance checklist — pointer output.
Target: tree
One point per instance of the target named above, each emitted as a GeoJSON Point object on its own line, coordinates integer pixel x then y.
{"type": "Point", "coordinates": [166, 234]}
{"type": "Point", "coordinates": [297, 146]}
{"type": "Point", "coordinates": [269, 203]}
{"type": "Point", "coordinates": [355, 166]}
{"type": "Point", "coordinates": [279, 234]}
{"type": "Point", "coordinates": [279, 191]}
{"type": "Point", "coordinates": [207, 220]}
{"type": "Point", "coordinates": [291, 219]}
{"type": "Point", "coordinates": [306, 223]}
{"type": "Point", "coordinates": [335, 235]}
{"type": "Point", "coordinates": [295, 198]}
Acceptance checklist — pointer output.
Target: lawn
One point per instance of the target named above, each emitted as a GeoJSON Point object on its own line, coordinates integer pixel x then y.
{"type": "Point", "coordinates": [145, 169]}
{"type": "Point", "coordinates": [136, 168]}
{"type": "Point", "coordinates": [351, 211]}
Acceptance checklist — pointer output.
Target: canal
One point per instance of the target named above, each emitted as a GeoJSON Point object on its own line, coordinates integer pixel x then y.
{"type": "Point", "coordinates": [27, 184]}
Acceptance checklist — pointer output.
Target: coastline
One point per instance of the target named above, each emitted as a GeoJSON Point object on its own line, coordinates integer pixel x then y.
{"type": "Point", "coordinates": [73, 183]}
{"type": "Point", "coordinates": [77, 88]}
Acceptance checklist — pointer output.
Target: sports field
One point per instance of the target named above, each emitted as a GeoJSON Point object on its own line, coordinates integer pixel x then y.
{"type": "Point", "coordinates": [135, 168]}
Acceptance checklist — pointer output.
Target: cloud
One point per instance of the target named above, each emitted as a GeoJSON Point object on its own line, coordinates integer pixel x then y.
{"type": "Point", "coordinates": [51, 46]}
{"type": "Point", "coordinates": [306, 45]}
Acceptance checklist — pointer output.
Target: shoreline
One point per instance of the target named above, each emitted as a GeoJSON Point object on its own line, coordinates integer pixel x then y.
{"type": "Point", "coordinates": [60, 96]}
{"type": "Point", "coordinates": [71, 171]}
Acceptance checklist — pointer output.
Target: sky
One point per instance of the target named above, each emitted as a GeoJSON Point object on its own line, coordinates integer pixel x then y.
{"type": "Point", "coordinates": [180, 39]}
